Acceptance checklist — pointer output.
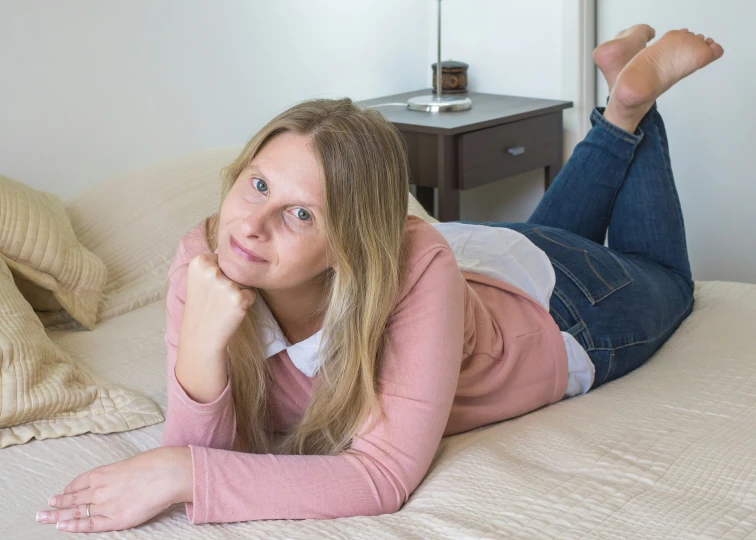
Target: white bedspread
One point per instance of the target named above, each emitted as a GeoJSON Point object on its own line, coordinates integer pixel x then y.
{"type": "Point", "coordinates": [669, 451]}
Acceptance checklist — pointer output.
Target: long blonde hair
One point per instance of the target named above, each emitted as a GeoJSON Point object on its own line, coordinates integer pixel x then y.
{"type": "Point", "coordinates": [366, 180]}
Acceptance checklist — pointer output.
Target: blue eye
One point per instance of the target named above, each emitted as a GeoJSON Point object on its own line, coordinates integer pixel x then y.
{"type": "Point", "coordinates": [303, 214]}
{"type": "Point", "coordinates": [260, 185]}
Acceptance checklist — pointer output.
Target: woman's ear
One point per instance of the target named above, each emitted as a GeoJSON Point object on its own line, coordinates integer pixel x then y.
{"type": "Point", "coordinates": [330, 260]}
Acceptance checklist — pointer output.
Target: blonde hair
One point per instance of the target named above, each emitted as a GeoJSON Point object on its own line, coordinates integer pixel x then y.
{"type": "Point", "coordinates": [366, 180]}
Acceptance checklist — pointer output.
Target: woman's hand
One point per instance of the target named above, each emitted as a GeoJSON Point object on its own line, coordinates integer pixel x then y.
{"type": "Point", "coordinates": [124, 494]}
{"type": "Point", "coordinates": [215, 306]}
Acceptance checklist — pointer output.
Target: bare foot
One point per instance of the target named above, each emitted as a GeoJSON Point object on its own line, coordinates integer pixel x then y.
{"type": "Point", "coordinates": [612, 56]}
{"type": "Point", "coordinates": [653, 71]}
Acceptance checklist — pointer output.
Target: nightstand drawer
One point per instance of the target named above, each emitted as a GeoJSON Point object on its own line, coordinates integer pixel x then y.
{"type": "Point", "coordinates": [494, 153]}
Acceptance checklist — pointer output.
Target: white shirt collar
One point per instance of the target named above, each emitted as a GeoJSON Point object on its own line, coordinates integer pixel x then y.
{"type": "Point", "coordinates": [304, 355]}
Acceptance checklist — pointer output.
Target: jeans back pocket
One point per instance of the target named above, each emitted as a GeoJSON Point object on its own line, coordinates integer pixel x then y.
{"type": "Point", "coordinates": [595, 270]}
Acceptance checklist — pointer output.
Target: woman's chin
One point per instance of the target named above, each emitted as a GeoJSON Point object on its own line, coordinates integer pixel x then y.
{"type": "Point", "coordinates": [233, 271]}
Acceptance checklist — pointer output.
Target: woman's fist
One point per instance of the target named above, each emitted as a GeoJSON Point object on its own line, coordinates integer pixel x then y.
{"type": "Point", "coordinates": [215, 306]}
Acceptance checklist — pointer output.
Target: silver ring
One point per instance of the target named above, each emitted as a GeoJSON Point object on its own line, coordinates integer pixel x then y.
{"type": "Point", "coordinates": [90, 504]}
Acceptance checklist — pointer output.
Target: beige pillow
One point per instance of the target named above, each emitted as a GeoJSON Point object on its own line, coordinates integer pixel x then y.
{"type": "Point", "coordinates": [39, 246]}
{"type": "Point", "coordinates": [43, 393]}
{"type": "Point", "coordinates": [416, 209]}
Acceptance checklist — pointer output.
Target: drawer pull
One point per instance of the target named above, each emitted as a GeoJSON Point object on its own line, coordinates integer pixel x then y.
{"type": "Point", "coordinates": [516, 150]}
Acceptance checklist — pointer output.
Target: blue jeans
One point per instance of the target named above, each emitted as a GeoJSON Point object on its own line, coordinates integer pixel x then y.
{"type": "Point", "coordinates": [622, 302]}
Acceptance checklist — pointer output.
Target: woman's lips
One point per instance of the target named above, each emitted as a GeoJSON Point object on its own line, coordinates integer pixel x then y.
{"type": "Point", "coordinates": [251, 256]}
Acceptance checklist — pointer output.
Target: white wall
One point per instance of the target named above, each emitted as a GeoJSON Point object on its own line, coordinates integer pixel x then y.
{"type": "Point", "coordinates": [91, 89]}
{"type": "Point", "coordinates": [518, 48]}
{"type": "Point", "coordinates": [711, 124]}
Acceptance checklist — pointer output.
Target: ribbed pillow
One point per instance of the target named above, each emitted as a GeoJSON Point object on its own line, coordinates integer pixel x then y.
{"type": "Point", "coordinates": [43, 393]}
{"type": "Point", "coordinates": [39, 246]}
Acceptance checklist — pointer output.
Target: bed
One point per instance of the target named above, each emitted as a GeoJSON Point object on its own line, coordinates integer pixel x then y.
{"type": "Point", "coordinates": [669, 451]}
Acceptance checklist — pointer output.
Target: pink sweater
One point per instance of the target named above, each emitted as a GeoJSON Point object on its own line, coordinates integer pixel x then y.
{"type": "Point", "coordinates": [463, 350]}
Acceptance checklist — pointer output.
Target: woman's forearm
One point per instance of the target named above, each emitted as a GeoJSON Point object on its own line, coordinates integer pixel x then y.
{"type": "Point", "coordinates": [182, 461]}
{"type": "Point", "coordinates": [200, 371]}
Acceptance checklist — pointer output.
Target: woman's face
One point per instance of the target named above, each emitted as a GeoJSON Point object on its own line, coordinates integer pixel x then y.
{"type": "Point", "coordinates": [271, 232]}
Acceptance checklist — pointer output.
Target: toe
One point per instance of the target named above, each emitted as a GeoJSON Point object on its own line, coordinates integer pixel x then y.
{"type": "Point", "coordinates": [717, 49]}
{"type": "Point", "coordinates": [701, 37]}
{"type": "Point", "coordinates": [648, 30]}
{"type": "Point", "coordinates": [709, 41]}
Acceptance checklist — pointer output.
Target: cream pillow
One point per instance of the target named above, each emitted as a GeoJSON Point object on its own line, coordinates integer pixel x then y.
{"type": "Point", "coordinates": [43, 393]}
{"type": "Point", "coordinates": [416, 209]}
{"type": "Point", "coordinates": [39, 246]}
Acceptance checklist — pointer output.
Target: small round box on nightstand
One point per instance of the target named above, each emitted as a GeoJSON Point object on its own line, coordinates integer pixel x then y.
{"type": "Point", "coordinates": [453, 77]}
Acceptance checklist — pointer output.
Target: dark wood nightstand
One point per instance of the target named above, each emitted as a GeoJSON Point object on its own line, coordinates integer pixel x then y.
{"type": "Point", "coordinates": [501, 136]}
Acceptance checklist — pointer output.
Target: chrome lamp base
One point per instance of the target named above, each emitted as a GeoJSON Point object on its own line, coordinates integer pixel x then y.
{"type": "Point", "coordinates": [433, 103]}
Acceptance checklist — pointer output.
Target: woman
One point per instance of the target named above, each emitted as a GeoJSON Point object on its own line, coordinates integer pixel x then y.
{"type": "Point", "coordinates": [320, 343]}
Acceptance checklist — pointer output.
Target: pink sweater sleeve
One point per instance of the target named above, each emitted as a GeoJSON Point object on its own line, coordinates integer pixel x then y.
{"type": "Point", "coordinates": [419, 372]}
{"type": "Point", "coordinates": [188, 422]}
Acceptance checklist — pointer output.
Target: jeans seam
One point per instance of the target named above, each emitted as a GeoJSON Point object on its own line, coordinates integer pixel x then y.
{"type": "Point", "coordinates": [593, 269]}
{"type": "Point", "coordinates": [621, 264]}
{"type": "Point", "coordinates": [588, 260]}
{"type": "Point", "coordinates": [610, 365]}
{"type": "Point", "coordinates": [567, 303]}
{"type": "Point", "coordinates": [564, 323]}
{"type": "Point", "coordinates": [540, 233]}
{"type": "Point", "coordinates": [573, 311]}
{"type": "Point", "coordinates": [647, 339]}
{"type": "Point", "coordinates": [582, 285]}
{"type": "Point", "coordinates": [585, 254]}
{"type": "Point", "coordinates": [579, 283]}
{"type": "Point", "coordinates": [667, 163]}
{"type": "Point", "coordinates": [580, 325]}
{"type": "Point", "coordinates": [611, 206]}
{"type": "Point", "coordinates": [629, 279]}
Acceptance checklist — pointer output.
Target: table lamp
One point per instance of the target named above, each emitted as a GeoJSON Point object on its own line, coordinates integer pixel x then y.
{"type": "Point", "coordinates": [437, 102]}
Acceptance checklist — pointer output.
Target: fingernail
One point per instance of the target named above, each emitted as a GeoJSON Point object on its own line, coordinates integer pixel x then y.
{"type": "Point", "coordinates": [61, 525]}
{"type": "Point", "coordinates": [51, 501]}
{"type": "Point", "coordinates": [41, 516]}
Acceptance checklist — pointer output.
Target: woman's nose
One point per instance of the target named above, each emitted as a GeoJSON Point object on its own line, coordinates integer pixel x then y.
{"type": "Point", "coordinates": [255, 224]}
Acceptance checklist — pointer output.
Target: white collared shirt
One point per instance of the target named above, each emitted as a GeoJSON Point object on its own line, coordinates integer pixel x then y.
{"type": "Point", "coordinates": [496, 252]}
{"type": "Point", "coordinates": [304, 355]}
